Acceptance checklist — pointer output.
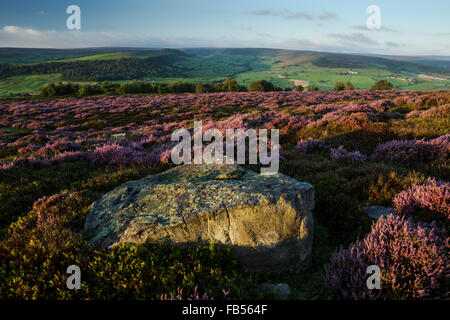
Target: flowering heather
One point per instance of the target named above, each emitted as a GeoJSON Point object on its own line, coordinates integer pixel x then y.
{"type": "Point", "coordinates": [413, 258]}
{"type": "Point", "coordinates": [422, 101]}
{"type": "Point", "coordinates": [432, 196]}
{"type": "Point", "coordinates": [342, 154]}
{"type": "Point", "coordinates": [351, 120]}
{"type": "Point", "coordinates": [96, 143]}
{"type": "Point", "coordinates": [434, 112]}
{"type": "Point", "coordinates": [70, 156]}
{"type": "Point", "coordinates": [413, 150]}
{"type": "Point", "coordinates": [112, 154]}
{"type": "Point", "coordinates": [54, 132]}
{"type": "Point", "coordinates": [31, 163]}
{"type": "Point", "coordinates": [310, 145]}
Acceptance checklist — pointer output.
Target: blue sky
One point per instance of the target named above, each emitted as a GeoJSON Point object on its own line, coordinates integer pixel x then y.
{"type": "Point", "coordinates": [407, 27]}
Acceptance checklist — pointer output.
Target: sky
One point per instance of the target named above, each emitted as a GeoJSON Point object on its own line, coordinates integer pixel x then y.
{"type": "Point", "coordinates": [406, 27]}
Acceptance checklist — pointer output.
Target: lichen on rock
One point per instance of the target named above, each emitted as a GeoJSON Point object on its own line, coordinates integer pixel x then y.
{"type": "Point", "coordinates": [267, 220]}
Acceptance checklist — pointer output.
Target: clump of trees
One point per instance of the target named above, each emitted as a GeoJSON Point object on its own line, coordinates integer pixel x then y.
{"type": "Point", "coordinates": [262, 86]}
{"type": "Point", "coordinates": [340, 86]}
{"type": "Point", "coordinates": [312, 87]}
{"type": "Point", "coordinates": [382, 85]}
{"type": "Point", "coordinates": [299, 88]}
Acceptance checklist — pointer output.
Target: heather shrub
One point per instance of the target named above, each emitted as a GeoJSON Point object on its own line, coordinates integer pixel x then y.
{"type": "Point", "coordinates": [426, 202]}
{"type": "Point", "coordinates": [41, 245]}
{"type": "Point", "coordinates": [193, 296]}
{"type": "Point", "coordinates": [340, 189]}
{"type": "Point", "coordinates": [420, 127]}
{"type": "Point", "coordinates": [388, 185]}
{"type": "Point", "coordinates": [20, 188]}
{"type": "Point", "coordinates": [342, 154]}
{"type": "Point", "coordinates": [149, 271]}
{"type": "Point", "coordinates": [413, 258]}
{"type": "Point", "coordinates": [413, 150]}
{"type": "Point", "coordinates": [310, 145]}
{"type": "Point", "coordinates": [112, 154]}
{"type": "Point", "coordinates": [434, 112]}
{"type": "Point", "coordinates": [125, 272]}
{"type": "Point", "coordinates": [55, 155]}
{"type": "Point", "coordinates": [48, 238]}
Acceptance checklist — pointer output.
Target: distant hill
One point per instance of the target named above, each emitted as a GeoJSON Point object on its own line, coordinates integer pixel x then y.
{"type": "Point", "coordinates": [123, 65]}
{"type": "Point", "coordinates": [30, 55]}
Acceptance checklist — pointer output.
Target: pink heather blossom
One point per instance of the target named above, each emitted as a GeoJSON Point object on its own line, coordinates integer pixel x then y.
{"type": "Point", "coordinates": [413, 258]}
{"type": "Point", "coordinates": [413, 150]}
{"type": "Point", "coordinates": [310, 145]}
{"type": "Point", "coordinates": [342, 154]}
{"type": "Point", "coordinates": [54, 140]}
{"type": "Point", "coordinates": [194, 296]}
{"type": "Point", "coordinates": [432, 196]}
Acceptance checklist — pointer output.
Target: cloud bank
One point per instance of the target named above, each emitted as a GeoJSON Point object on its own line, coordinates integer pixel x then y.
{"type": "Point", "coordinates": [15, 36]}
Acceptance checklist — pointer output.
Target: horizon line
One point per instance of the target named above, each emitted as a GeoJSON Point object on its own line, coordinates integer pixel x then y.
{"type": "Point", "coordinates": [212, 47]}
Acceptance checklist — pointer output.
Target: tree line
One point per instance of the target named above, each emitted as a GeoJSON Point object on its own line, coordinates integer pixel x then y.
{"type": "Point", "coordinates": [227, 85]}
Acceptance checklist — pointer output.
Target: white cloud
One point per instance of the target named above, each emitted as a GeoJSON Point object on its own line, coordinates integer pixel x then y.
{"type": "Point", "coordinates": [328, 16]}
{"type": "Point", "coordinates": [13, 36]}
{"type": "Point", "coordinates": [363, 27]}
{"type": "Point", "coordinates": [353, 39]}
{"type": "Point", "coordinates": [298, 15]}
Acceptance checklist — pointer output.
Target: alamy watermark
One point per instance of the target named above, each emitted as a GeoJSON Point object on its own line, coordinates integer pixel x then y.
{"type": "Point", "coordinates": [374, 20]}
{"type": "Point", "coordinates": [74, 280]}
{"type": "Point", "coordinates": [374, 280]}
{"type": "Point", "coordinates": [213, 153]}
{"type": "Point", "coordinates": [73, 22]}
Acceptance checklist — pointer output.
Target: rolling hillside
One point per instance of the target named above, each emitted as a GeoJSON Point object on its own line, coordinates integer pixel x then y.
{"type": "Point", "coordinates": [24, 70]}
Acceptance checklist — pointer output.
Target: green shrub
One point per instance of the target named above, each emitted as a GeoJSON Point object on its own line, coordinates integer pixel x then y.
{"type": "Point", "coordinates": [349, 86]}
{"type": "Point", "coordinates": [387, 186]}
{"type": "Point", "coordinates": [339, 86]}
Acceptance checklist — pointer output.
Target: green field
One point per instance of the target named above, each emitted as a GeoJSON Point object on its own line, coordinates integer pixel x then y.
{"type": "Point", "coordinates": [26, 84]}
{"type": "Point", "coordinates": [106, 56]}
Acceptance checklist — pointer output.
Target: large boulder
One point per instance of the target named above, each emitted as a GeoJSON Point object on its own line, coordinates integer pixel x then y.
{"type": "Point", "coordinates": [267, 220]}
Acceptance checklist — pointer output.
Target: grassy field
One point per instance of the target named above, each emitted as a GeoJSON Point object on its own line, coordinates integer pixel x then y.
{"type": "Point", "coordinates": [26, 84]}
{"type": "Point", "coordinates": [106, 56]}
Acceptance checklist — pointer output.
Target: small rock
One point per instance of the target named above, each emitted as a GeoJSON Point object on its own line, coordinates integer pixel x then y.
{"type": "Point", "coordinates": [377, 211]}
{"type": "Point", "coordinates": [281, 290]}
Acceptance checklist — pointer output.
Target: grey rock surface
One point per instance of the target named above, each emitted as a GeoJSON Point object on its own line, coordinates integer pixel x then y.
{"type": "Point", "coordinates": [378, 211]}
{"type": "Point", "coordinates": [280, 290]}
{"type": "Point", "coordinates": [267, 220]}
